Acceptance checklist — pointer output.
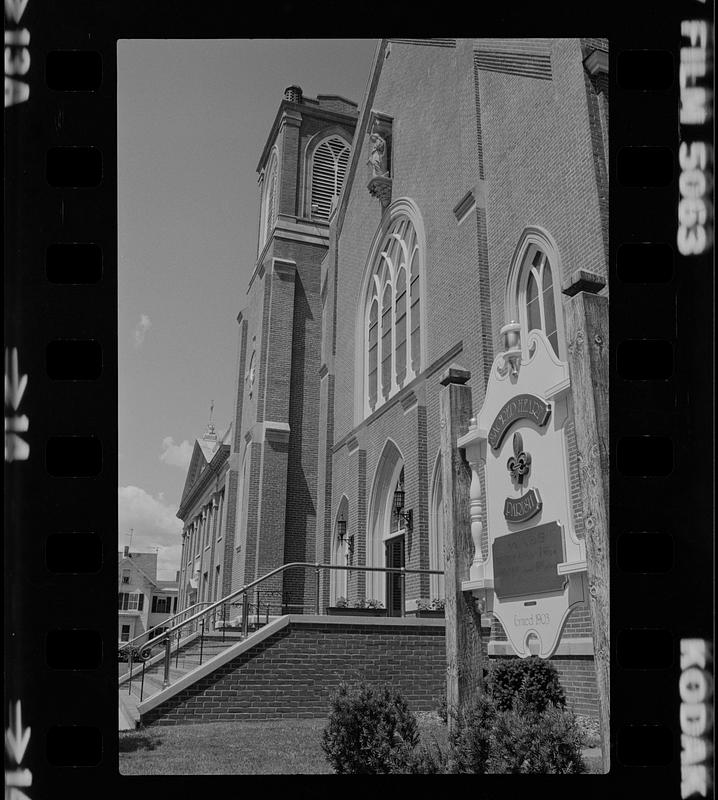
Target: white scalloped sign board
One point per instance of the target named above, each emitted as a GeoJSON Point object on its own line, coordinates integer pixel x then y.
{"type": "Point", "coordinates": [533, 573]}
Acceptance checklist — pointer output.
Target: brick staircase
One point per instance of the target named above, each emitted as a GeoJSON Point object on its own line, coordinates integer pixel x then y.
{"type": "Point", "coordinates": [192, 654]}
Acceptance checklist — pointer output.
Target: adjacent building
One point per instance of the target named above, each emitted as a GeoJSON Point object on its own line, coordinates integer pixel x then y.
{"type": "Point", "coordinates": [203, 510]}
{"type": "Point", "coordinates": [144, 601]}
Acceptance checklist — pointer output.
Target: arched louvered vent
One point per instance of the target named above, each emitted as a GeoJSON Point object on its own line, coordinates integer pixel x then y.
{"type": "Point", "coordinates": [329, 167]}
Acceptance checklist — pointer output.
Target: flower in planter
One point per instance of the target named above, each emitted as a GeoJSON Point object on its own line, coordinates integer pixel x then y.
{"type": "Point", "coordinates": [362, 603]}
{"type": "Point", "coordinates": [423, 605]}
{"type": "Point", "coordinates": [341, 602]}
{"type": "Point", "coordinates": [438, 604]}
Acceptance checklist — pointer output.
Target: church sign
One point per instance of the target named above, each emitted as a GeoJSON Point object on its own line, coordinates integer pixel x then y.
{"type": "Point", "coordinates": [522, 508]}
{"type": "Point", "coordinates": [525, 563]}
{"type": "Point", "coordinates": [522, 406]}
{"type": "Point", "coordinates": [529, 563]}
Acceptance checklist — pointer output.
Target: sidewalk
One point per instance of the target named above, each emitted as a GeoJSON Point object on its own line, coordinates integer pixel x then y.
{"type": "Point", "coordinates": [128, 714]}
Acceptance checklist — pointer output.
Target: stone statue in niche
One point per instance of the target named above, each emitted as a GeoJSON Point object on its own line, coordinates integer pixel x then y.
{"type": "Point", "coordinates": [377, 157]}
{"type": "Point", "coordinates": [379, 181]}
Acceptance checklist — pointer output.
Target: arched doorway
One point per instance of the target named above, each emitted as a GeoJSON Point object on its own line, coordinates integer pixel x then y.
{"type": "Point", "coordinates": [387, 533]}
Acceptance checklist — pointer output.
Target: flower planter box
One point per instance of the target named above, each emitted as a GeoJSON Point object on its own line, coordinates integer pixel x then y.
{"type": "Point", "coordinates": [430, 613]}
{"type": "Point", "coordinates": [339, 611]}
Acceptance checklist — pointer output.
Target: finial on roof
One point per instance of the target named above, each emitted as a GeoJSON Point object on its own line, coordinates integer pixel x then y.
{"type": "Point", "coordinates": [210, 434]}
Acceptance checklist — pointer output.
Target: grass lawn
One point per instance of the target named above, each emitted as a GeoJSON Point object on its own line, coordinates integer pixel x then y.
{"type": "Point", "coordinates": [270, 747]}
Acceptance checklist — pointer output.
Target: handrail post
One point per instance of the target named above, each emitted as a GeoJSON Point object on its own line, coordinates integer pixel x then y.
{"type": "Point", "coordinates": [142, 685]}
{"type": "Point", "coordinates": [179, 633]}
{"type": "Point", "coordinates": [166, 680]}
{"type": "Point", "coordinates": [224, 620]}
{"type": "Point", "coordinates": [318, 574]}
{"type": "Point", "coordinates": [245, 615]}
{"type": "Point", "coordinates": [129, 680]}
{"type": "Point", "coordinates": [403, 592]}
{"type": "Point", "coordinates": [201, 642]}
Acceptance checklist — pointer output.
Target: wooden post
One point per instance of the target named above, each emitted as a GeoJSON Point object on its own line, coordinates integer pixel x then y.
{"type": "Point", "coordinates": [464, 669]}
{"type": "Point", "coordinates": [587, 336]}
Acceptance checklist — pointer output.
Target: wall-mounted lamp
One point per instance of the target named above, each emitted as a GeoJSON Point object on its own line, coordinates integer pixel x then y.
{"type": "Point", "coordinates": [407, 516]}
{"type": "Point", "coordinates": [341, 528]}
{"type": "Point", "coordinates": [511, 342]}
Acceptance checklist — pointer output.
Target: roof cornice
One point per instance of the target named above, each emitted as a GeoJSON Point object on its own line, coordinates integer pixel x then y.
{"type": "Point", "coordinates": [212, 469]}
{"type": "Point", "coordinates": [288, 111]}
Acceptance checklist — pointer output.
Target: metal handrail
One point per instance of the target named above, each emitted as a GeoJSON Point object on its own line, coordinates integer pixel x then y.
{"type": "Point", "coordinates": [167, 635]}
{"type": "Point", "coordinates": [156, 639]}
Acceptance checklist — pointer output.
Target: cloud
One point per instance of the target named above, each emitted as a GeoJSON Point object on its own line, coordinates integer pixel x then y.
{"type": "Point", "coordinates": [154, 525]}
{"type": "Point", "coordinates": [176, 455]}
{"type": "Point", "coordinates": [141, 329]}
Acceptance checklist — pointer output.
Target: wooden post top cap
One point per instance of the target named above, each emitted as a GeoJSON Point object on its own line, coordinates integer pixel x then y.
{"type": "Point", "coordinates": [454, 374]}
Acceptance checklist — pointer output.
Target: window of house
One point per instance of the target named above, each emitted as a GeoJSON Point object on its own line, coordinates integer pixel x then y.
{"type": "Point", "coordinates": [125, 633]}
{"type": "Point", "coordinates": [329, 166]}
{"type": "Point", "coordinates": [216, 582]}
{"type": "Point", "coordinates": [131, 601]}
{"type": "Point", "coordinates": [393, 314]}
{"type": "Point", "coordinates": [161, 605]}
{"type": "Point", "coordinates": [125, 576]}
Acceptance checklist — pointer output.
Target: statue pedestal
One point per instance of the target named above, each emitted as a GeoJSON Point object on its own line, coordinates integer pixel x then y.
{"type": "Point", "coordinates": [380, 186]}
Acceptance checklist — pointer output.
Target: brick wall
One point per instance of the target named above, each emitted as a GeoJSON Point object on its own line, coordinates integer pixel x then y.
{"type": "Point", "coordinates": [294, 672]}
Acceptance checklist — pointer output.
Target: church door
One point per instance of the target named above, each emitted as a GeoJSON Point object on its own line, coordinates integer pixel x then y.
{"type": "Point", "coordinates": [394, 558]}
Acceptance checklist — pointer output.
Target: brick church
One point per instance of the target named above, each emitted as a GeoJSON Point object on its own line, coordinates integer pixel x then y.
{"type": "Point", "coordinates": [397, 237]}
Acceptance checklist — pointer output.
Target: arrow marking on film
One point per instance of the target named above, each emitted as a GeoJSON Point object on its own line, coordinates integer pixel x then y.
{"type": "Point", "coordinates": [16, 794]}
{"type": "Point", "coordinates": [14, 384]}
{"type": "Point", "coordinates": [14, 9]}
{"type": "Point", "coordinates": [19, 777]}
{"type": "Point", "coordinates": [16, 740]}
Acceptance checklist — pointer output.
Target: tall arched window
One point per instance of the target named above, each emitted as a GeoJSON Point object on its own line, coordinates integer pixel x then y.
{"type": "Point", "coordinates": [540, 305]}
{"type": "Point", "coordinates": [340, 555]}
{"type": "Point", "coordinates": [436, 533]}
{"type": "Point", "coordinates": [532, 290]}
{"type": "Point", "coordinates": [269, 207]}
{"type": "Point", "coordinates": [392, 330]}
{"type": "Point", "coordinates": [329, 166]}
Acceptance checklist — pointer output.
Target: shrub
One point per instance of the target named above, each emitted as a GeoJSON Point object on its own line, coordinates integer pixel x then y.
{"type": "Point", "coordinates": [526, 741]}
{"type": "Point", "coordinates": [420, 760]}
{"type": "Point", "coordinates": [532, 681]}
{"type": "Point", "coordinates": [369, 729]}
{"type": "Point", "coordinates": [470, 741]}
{"type": "Point", "coordinates": [441, 709]}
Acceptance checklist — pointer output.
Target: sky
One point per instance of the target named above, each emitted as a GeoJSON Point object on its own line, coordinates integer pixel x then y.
{"type": "Point", "coordinates": [192, 120]}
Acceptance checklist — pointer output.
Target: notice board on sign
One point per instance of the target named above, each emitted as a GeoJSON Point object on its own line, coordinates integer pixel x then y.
{"type": "Point", "coordinates": [525, 562]}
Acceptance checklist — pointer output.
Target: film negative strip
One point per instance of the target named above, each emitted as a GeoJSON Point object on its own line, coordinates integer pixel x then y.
{"type": "Point", "coordinates": [62, 446]}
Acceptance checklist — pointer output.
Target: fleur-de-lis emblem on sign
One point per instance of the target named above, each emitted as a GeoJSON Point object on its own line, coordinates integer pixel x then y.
{"type": "Point", "coordinates": [520, 462]}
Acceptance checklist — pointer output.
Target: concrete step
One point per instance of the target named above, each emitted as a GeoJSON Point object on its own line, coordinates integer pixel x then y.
{"type": "Point", "coordinates": [188, 660]}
